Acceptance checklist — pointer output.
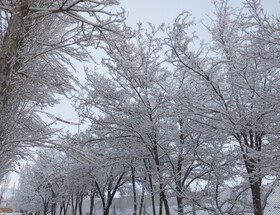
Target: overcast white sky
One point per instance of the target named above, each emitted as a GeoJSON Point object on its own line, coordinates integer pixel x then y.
{"type": "Point", "coordinates": [156, 12]}
{"type": "Point", "coordinates": [159, 11]}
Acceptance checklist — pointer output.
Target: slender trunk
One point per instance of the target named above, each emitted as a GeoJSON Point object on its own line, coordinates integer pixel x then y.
{"type": "Point", "coordinates": [160, 202]}
{"type": "Point", "coordinates": [60, 209]}
{"type": "Point", "coordinates": [72, 204]}
{"type": "Point", "coordinates": [74, 201]}
{"type": "Point", "coordinates": [110, 193]}
{"type": "Point", "coordinates": [162, 195]}
{"type": "Point", "coordinates": [193, 208]}
{"type": "Point", "coordinates": [160, 205]}
{"type": "Point", "coordinates": [178, 175]}
{"type": "Point", "coordinates": [65, 207]}
{"type": "Point", "coordinates": [53, 212]}
{"type": "Point", "coordinates": [142, 197]}
{"type": "Point", "coordinates": [149, 173]}
{"type": "Point", "coordinates": [165, 202]}
{"type": "Point", "coordinates": [53, 202]}
{"type": "Point", "coordinates": [155, 154]}
{"type": "Point", "coordinates": [133, 188]}
{"type": "Point", "coordinates": [92, 194]}
{"type": "Point", "coordinates": [81, 204]}
{"type": "Point", "coordinates": [46, 205]}
{"type": "Point", "coordinates": [102, 195]}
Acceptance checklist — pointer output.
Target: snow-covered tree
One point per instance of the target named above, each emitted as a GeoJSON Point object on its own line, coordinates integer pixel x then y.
{"type": "Point", "coordinates": [141, 115]}
{"type": "Point", "coordinates": [219, 99]}
{"type": "Point", "coordinates": [41, 183]}
{"type": "Point", "coordinates": [199, 125]}
{"type": "Point", "coordinates": [237, 87]}
{"type": "Point", "coordinates": [37, 40]}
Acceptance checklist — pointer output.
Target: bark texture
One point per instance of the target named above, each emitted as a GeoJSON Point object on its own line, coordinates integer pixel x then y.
{"type": "Point", "coordinates": [10, 47]}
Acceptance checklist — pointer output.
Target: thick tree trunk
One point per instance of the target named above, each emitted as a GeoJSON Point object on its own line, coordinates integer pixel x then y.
{"type": "Point", "coordinates": [106, 211]}
{"type": "Point", "coordinates": [252, 141]}
{"type": "Point", "coordinates": [10, 47]}
{"type": "Point", "coordinates": [256, 196]}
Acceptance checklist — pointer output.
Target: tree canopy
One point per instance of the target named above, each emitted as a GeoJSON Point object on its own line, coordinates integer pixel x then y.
{"type": "Point", "coordinates": [167, 121]}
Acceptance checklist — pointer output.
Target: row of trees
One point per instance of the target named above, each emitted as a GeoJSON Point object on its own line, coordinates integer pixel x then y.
{"type": "Point", "coordinates": [199, 125]}
{"type": "Point", "coordinates": [65, 183]}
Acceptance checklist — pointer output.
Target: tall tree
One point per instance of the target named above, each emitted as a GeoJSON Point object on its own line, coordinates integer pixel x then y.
{"type": "Point", "coordinates": [131, 102]}
{"type": "Point", "coordinates": [236, 82]}
{"type": "Point", "coordinates": [38, 38]}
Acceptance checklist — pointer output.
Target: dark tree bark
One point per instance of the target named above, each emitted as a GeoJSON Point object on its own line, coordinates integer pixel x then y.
{"type": "Point", "coordinates": [45, 206]}
{"type": "Point", "coordinates": [65, 205]}
{"type": "Point", "coordinates": [149, 169]}
{"type": "Point", "coordinates": [81, 200]}
{"type": "Point", "coordinates": [162, 195]}
{"type": "Point", "coordinates": [133, 187]}
{"type": "Point", "coordinates": [111, 191]}
{"type": "Point", "coordinates": [252, 141]}
{"type": "Point", "coordinates": [91, 206]}
{"type": "Point", "coordinates": [53, 204]}
{"type": "Point", "coordinates": [155, 154]}
{"type": "Point", "coordinates": [74, 202]}
{"type": "Point", "coordinates": [142, 197]}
